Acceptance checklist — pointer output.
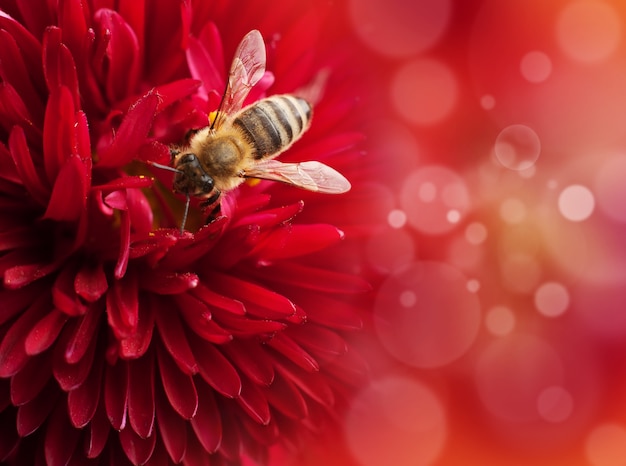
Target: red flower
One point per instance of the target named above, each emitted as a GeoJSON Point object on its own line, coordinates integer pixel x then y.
{"type": "Point", "coordinates": [121, 341]}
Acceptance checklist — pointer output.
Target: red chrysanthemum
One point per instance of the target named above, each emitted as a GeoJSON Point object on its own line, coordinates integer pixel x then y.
{"type": "Point", "coordinates": [122, 341]}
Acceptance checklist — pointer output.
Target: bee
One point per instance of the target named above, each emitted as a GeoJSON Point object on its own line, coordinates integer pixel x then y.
{"type": "Point", "coordinates": [242, 142]}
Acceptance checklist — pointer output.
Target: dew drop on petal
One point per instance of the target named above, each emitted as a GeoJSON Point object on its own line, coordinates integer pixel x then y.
{"type": "Point", "coordinates": [555, 404]}
{"type": "Point", "coordinates": [576, 203]}
{"type": "Point", "coordinates": [476, 233]}
{"type": "Point", "coordinates": [429, 195]}
{"type": "Point", "coordinates": [424, 91]}
{"type": "Point", "coordinates": [517, 147]}
{"type": "Point", "coordinates": [536, 66]}
{"type": "Point", "coordinates": [511, 374]}
{"type": "Point", "coordinates": [399, 28]}
{"type": "Point", "coordinates": [606, 445]}
{"type": "Point", "coordinates": [425, 316]}
{"type": "Point", "coordinates": [588, 31]}
{"type": "Point", "coordinates": [610, 187]}
{"type": "Point", "coordinates": [551, 299]}
{"type": "Point", "coordinates": [500, 320]}
{"type": "Point", "coordinates": [398, 421]}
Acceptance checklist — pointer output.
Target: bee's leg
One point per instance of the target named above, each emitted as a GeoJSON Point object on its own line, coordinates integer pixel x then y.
{"type": "Point", "coordinates": [212, 205]}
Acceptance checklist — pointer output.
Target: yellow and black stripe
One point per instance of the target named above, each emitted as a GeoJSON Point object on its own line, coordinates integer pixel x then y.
{"type": "Point", "coordinates": [273, 124]}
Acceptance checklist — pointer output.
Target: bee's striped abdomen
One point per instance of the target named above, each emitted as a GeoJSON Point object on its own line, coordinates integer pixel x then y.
{"type": "Point", "coordinates": [274, 123]}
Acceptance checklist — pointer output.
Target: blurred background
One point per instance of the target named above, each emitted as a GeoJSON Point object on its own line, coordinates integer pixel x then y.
{"type": "Point", "coordinates": [499, 319]}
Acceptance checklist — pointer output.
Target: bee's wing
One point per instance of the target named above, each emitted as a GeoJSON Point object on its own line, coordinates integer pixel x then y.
{"type": "Point", "coordinates": [247, 69]}
{"type": "Point", "coordinates": [314, 176]}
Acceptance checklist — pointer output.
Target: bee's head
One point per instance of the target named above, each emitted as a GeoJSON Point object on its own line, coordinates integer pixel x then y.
{"type": "Point", "coordinates": [190, 178]}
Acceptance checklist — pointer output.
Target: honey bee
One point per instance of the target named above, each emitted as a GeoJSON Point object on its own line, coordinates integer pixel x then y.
{"type": "Point", "coordinates": [242, 143]}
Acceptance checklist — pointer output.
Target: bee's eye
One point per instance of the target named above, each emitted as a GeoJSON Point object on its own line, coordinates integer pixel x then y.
{"type": "Point", "coordinates": [207, 183]}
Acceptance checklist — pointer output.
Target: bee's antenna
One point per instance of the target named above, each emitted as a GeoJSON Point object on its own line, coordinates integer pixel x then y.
{"type": "Point", "coordinates": [165, 167]}
{"type": "Point", "coordinates": [175, 170]}
{"type": "Point", "coordinates": [182, 224]}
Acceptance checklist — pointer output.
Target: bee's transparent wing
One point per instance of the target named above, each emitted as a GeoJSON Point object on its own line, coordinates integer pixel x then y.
{"type": "Point", "coordinates": [314, 176]}
{"type": "Point", "coordinates": [247, 69]}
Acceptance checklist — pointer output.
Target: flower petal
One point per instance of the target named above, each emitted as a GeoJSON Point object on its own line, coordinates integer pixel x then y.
{"type": "Point", "coordinates": [61, 438]}
{"type": "Point", "coordinates": [175, 340]}
{"type": "Point", "coordinates": [116, 393]}
{"type": "Point", "coordinates": [122, 50]}
{"type": "Point", "coordinates": [58, 130]}
{"type": "Point", "coordinates": [297, 240]}
{"type": "Point", "coordinates": [207, 423]}
{"type": "Point", "coordinates": [131, 134]}
{"type": "Point", "coordinates": [97, 432]}
{"type": "Point", "coordinates": [29, 382]}
{"type": "Point", "coordinates": [173, 429]}
{"type": "Point", "coordinates": [69, 194]}
{"type": "Point", "coordinates": [63, 296]}
{"type": "Point", "coordinates": [45, 332]}
{"type": "Point", "coordinates": [160, 282]}
{"type": "Point", "coordinates": [13, 355]}
{"type": "Point", "coordinates": [90, 282]}
{"type": "Point", "coordinates": [294, 352]}
{"type": "Point", "coordinates": [71, 375]}
{"type": "Point", "coordinates": [123, 306]}
{"type": "Point", "coordinates": [318, 340]}
{"type": "Point", "coordinates": [25, 168]}
{"type": "Point", "coordinates": [141, 396]}
{"type": "Point", "coordinates": [284, 396]}
{"type": "Point", "coordinates": [33, 414]}
{"type": "Point", "coordinates": [254, 403]}
{"type": "Point", "coordinates": [257, 299]}
{"type": "Point", "coordinates": [308, 382]}
{"type": "Point", "coordinates": [215, 369]}
{"type": "Point", "coordinates": [59, 67]}
{"type": "Point", "coordinates": [313, 278]}
{"type": "Point", "coordinates": [138, 449]}
{"type": "Point", "coordinates": [251, 359]}
{"type": "Point", "coordinates": [203, 67]}
{"type": "Point", "coordinates": [84, 334]}
{"type": "Point", "coordinates": [15, 72]}
{"type": "Point", "coordinates": [82, 401]}
{"type": "Point", "coordinates": [179, 387]}
{"type": "Point", "coordinates": [136, 344]}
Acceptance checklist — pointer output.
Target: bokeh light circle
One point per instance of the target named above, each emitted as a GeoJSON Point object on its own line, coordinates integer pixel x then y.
{"type": "Point", "coordinates": [428, 196]}
{"type": "Point", "coordinates": [425, 316]}
{"type": "Point", "coordinates": [610, 187]}
{"type": "Point", "coordinates": [517, 147]}
{"type": "Point", "coordinates": [475, 233]}
{"type": "Point", "coordinates": [576, 203]}
{"type": "Point", "coordinates": [424, 91]}
{"type": "Point", "coordinates": [513, 371]}
{"type": "Point", "coordinates": [398, 421]}
{"type": "Point", "coordinates": [588, 31]}
{"type": "Point", "coordinates": [396, 218]}
{"type": "Point", "coordinates": [552, 299]}
{"type": "Point", "coordinates": [399, 28]}
{"type": "Point", "coordinates": [606, 445]}
{"type": "Point", "coordinates": [500, 320]}
{"type": "Point", "coordinates": [536, 66]}
{"type": "Point", "coordinates": [555, 404]}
